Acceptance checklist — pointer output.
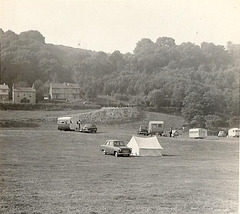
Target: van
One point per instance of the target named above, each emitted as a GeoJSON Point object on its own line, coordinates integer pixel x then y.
{"type": "Point", "coordinates": [155, 127]}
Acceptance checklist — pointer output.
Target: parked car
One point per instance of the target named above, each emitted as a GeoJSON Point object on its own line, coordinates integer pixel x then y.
{"type": "Point", "coordinates": [116, 148]}
{"type": "Point", "coordinates": [89, 128]}
{"type": "Point", "coordinates": [222, 134]}
{"type": "Point", "coordinates": [142, 130]}
{"type": "Point", "coordinates": [175, 133]}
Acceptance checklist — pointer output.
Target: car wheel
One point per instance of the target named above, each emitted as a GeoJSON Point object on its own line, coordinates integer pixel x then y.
{"type": "Point", "coordinates": [104, 152]}
{"type": "Point", "coordinates": [116, 154]}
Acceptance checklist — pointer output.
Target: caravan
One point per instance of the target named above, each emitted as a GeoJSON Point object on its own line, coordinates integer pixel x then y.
{"type": "Point", "coordinates": [155, 127]}
{"type": "Point", "coordinates": [69, 123]}
{"type": "Point", "coordinates": [234, 132]}
{"type": "Point", "coordinates": [198, 133]}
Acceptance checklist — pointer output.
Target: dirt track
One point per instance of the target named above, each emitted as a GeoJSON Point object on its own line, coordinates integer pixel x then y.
{"type": "Point", "coordinates": [43, 170]}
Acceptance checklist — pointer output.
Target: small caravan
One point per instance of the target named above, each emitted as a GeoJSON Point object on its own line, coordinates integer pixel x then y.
{"type": "Point", "coordinates": [155, 127]}
{"type": "Point", "coordinates": [234, 132]}
{"type": "Point", "coordinates": [197, 133]}
{"type": "Point", "coordinates": [68, 124]}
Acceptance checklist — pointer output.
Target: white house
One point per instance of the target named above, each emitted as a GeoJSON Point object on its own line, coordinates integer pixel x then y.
{"type": "Point", "coordinates": [24, 94]}
{"type": "Point", "coordinates": [4, 92]}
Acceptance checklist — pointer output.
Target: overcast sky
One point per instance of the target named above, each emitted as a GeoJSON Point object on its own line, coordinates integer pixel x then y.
{"type": "Point", "coordinates": [109, 25]}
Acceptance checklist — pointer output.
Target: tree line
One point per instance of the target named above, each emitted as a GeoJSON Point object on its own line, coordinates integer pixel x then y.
{"type": "Point", "coordinates": [203, 81]}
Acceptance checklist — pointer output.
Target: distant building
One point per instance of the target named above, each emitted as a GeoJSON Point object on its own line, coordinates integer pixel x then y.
{"type": "Point", "coordinates": [4, 92]}
{"type": "Point", "coordinates": [23, 94]}
{"type": "Point", "coordinates": [64, 91]}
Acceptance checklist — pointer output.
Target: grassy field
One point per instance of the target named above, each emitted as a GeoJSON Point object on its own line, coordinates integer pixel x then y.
{"type": "Point", "coordinates": [43, 170]}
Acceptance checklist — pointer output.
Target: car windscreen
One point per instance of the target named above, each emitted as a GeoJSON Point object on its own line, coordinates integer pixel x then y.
{"type": "Point", "coordinates": [143, 128]}
{"type": "Point", "coordinates": [118, 143]}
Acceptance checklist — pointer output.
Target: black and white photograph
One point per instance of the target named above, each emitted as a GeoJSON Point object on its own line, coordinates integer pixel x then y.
{"type": "Point", "coordinates": [119, 106]}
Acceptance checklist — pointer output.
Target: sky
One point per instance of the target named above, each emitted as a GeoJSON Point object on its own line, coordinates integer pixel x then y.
{"type": "Point", "coordinates": [109, 25]}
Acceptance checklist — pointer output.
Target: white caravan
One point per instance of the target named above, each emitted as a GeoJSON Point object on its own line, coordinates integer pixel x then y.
{"type": "Point", "coordinates": [234, 132]}
{"type": "Point", "coordinates": [198, 133]}
{"type": "Point", "coordinates": [69, 123]}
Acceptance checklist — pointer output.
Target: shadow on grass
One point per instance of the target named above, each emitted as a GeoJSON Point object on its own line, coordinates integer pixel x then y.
{"type": "Point", "coordinates": [14, 124]}
{"type": "Point", "coordinates": [134, 156]}
{"type": "Point", "coordinates": [169, 155]}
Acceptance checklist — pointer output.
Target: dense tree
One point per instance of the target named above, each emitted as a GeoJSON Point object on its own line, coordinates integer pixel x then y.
{"type": "Point", "coordinates": [157, 98]}
{"type": "Point", "coordinates": [201, 80]}
{"type": "Point", "coordinates": [165, 42]}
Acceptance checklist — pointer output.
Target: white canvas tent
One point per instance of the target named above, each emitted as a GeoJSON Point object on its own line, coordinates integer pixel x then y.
{"type": "Point", "coordinates": [145, 146]}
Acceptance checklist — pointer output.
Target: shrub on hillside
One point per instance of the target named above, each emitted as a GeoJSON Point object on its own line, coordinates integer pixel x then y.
{"type": "Point", "coordinates": [112, 115]}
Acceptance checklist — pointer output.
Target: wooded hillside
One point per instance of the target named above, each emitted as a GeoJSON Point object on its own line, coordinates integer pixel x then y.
{"type": "Point", "coordinates": [201, 80]}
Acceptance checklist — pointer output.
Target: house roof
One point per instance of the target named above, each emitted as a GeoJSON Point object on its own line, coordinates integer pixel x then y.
{"type": "Point", "coordinates": [24, 89]}
{"type": "Point", "coordinates": [4, 86]}
{"type": "Point", "coordinates": [65, 85]}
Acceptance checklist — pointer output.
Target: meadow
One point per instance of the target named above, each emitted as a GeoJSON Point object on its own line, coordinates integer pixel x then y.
{"type": "Point", "coordinates": [43, 170]}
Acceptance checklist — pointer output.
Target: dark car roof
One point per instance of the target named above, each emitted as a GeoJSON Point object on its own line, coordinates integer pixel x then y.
{"type": "Point", "coordinates": [90, 125]}
{"type": "Point", "coordinates": [143, 127]}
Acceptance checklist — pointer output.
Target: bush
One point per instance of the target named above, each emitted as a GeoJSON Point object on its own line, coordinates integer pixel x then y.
{"type": "Point", "coordinates": [112, 115]}
{"type": "Point", "coordinates": [46, 106]}
{"type": "Point", "coordinates": [122, 97]}
{"type": "Point", "coordinates": [215, 121]}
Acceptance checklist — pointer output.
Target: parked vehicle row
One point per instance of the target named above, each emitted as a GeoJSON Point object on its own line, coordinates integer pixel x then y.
{"type": "Point", "coordinates": [74, 124]}
{"type": "Point", "coordinates": [119, 148]}
{"type": "Point", "coordinates": [153, 128]}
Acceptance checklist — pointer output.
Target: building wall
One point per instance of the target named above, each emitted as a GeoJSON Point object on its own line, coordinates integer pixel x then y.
{"type": "Point", "coordinates": [19, 95]}
{"type": "Point", "coordinates": [64, 93]}
{"type": "Point", "coordinates": [4, 97]}
{"type": "Point", "coordinates": [4, 94]}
